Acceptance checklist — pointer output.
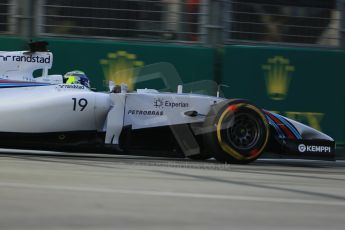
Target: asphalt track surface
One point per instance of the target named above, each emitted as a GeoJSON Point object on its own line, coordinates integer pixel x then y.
{"type": "Point", "coordinates": [44, 190]}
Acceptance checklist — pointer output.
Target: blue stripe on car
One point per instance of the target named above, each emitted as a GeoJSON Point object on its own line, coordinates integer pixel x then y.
{"type": "Point", "coordinates": [288, 125]}
{"type": "Point", "coordinates": [276, 127]}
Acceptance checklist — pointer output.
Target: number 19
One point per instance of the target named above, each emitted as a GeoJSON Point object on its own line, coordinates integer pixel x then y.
{"type": "Point", "coordinates": [82, 103]}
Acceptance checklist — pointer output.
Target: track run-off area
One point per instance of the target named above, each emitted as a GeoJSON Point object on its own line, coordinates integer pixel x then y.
{"type": "Point", "coordinates": [48, 190]}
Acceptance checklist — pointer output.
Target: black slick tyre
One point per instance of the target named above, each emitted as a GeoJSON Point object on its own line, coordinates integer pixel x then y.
{"type": "Point", "coordinates": [237, 131]}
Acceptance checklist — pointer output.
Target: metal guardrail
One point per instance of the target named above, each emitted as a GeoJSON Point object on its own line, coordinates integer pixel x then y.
{"type": "Point", "coordinates": [159, 20]}
{"type": "Point", "coordinates": [208, 22]}
{"type": "Point", "coordinates": [6, 16]}
{"type": "Point", "coordinates": [281, 21]}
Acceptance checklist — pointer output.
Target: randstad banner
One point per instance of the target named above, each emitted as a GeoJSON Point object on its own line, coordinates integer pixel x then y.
{"type": "Point", "coordinates": [304, 84]}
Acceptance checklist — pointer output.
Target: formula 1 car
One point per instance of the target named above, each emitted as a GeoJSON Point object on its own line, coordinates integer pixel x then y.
{"type": "Point", "coordinates": [44, 113]}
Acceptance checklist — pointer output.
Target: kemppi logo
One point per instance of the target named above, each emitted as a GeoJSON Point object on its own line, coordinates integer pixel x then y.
{"type": "Point", "coordinates": [301, 148]}
{"type": "Point", "coordinates": [313, 148]}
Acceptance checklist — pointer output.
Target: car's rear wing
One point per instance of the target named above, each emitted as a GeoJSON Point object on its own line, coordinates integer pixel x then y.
{"type": "Point", "coordinates": [20, 65]}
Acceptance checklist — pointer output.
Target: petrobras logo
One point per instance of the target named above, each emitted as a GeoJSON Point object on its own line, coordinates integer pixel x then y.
{"type": "Point", "coordinates": [313, 148]}
{"type": "Point", "coordinates": [145, 112]}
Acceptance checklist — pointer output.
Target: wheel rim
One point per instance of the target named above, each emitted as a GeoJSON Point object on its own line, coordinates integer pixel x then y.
{"type": "Point", "coordinates": [243, 132]}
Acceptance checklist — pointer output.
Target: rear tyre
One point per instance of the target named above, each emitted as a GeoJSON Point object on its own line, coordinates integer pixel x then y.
{"type": "Point", "coordinates": [238, 132]}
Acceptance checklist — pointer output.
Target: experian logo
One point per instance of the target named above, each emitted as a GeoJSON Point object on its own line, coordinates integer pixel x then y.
{"type": "Point", "coordinates": [313, 148]}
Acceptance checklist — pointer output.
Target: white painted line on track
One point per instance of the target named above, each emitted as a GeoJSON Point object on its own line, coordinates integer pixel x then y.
{"type": "Point", "coordinates": [171, 194]}
{"type": "Point", "coordinates": [2, 150]}
{"type": "Point", "coordinates": [80, 154]}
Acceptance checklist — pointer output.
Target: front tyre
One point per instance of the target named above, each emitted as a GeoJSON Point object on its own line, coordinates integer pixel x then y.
{"type": "Point", "coordinates": [239, 131]}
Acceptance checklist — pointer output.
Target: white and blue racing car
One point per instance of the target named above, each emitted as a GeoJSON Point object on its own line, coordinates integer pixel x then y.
{"type": "Point", "coordinates": [46, 113]}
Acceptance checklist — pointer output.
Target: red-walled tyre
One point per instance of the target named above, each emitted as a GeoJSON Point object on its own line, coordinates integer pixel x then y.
{"type": "Point", "coordinates": [239, 131]}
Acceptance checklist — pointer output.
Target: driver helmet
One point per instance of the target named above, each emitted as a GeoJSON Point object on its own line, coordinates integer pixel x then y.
{"type": "Point", "coordinates": [77, 77]}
